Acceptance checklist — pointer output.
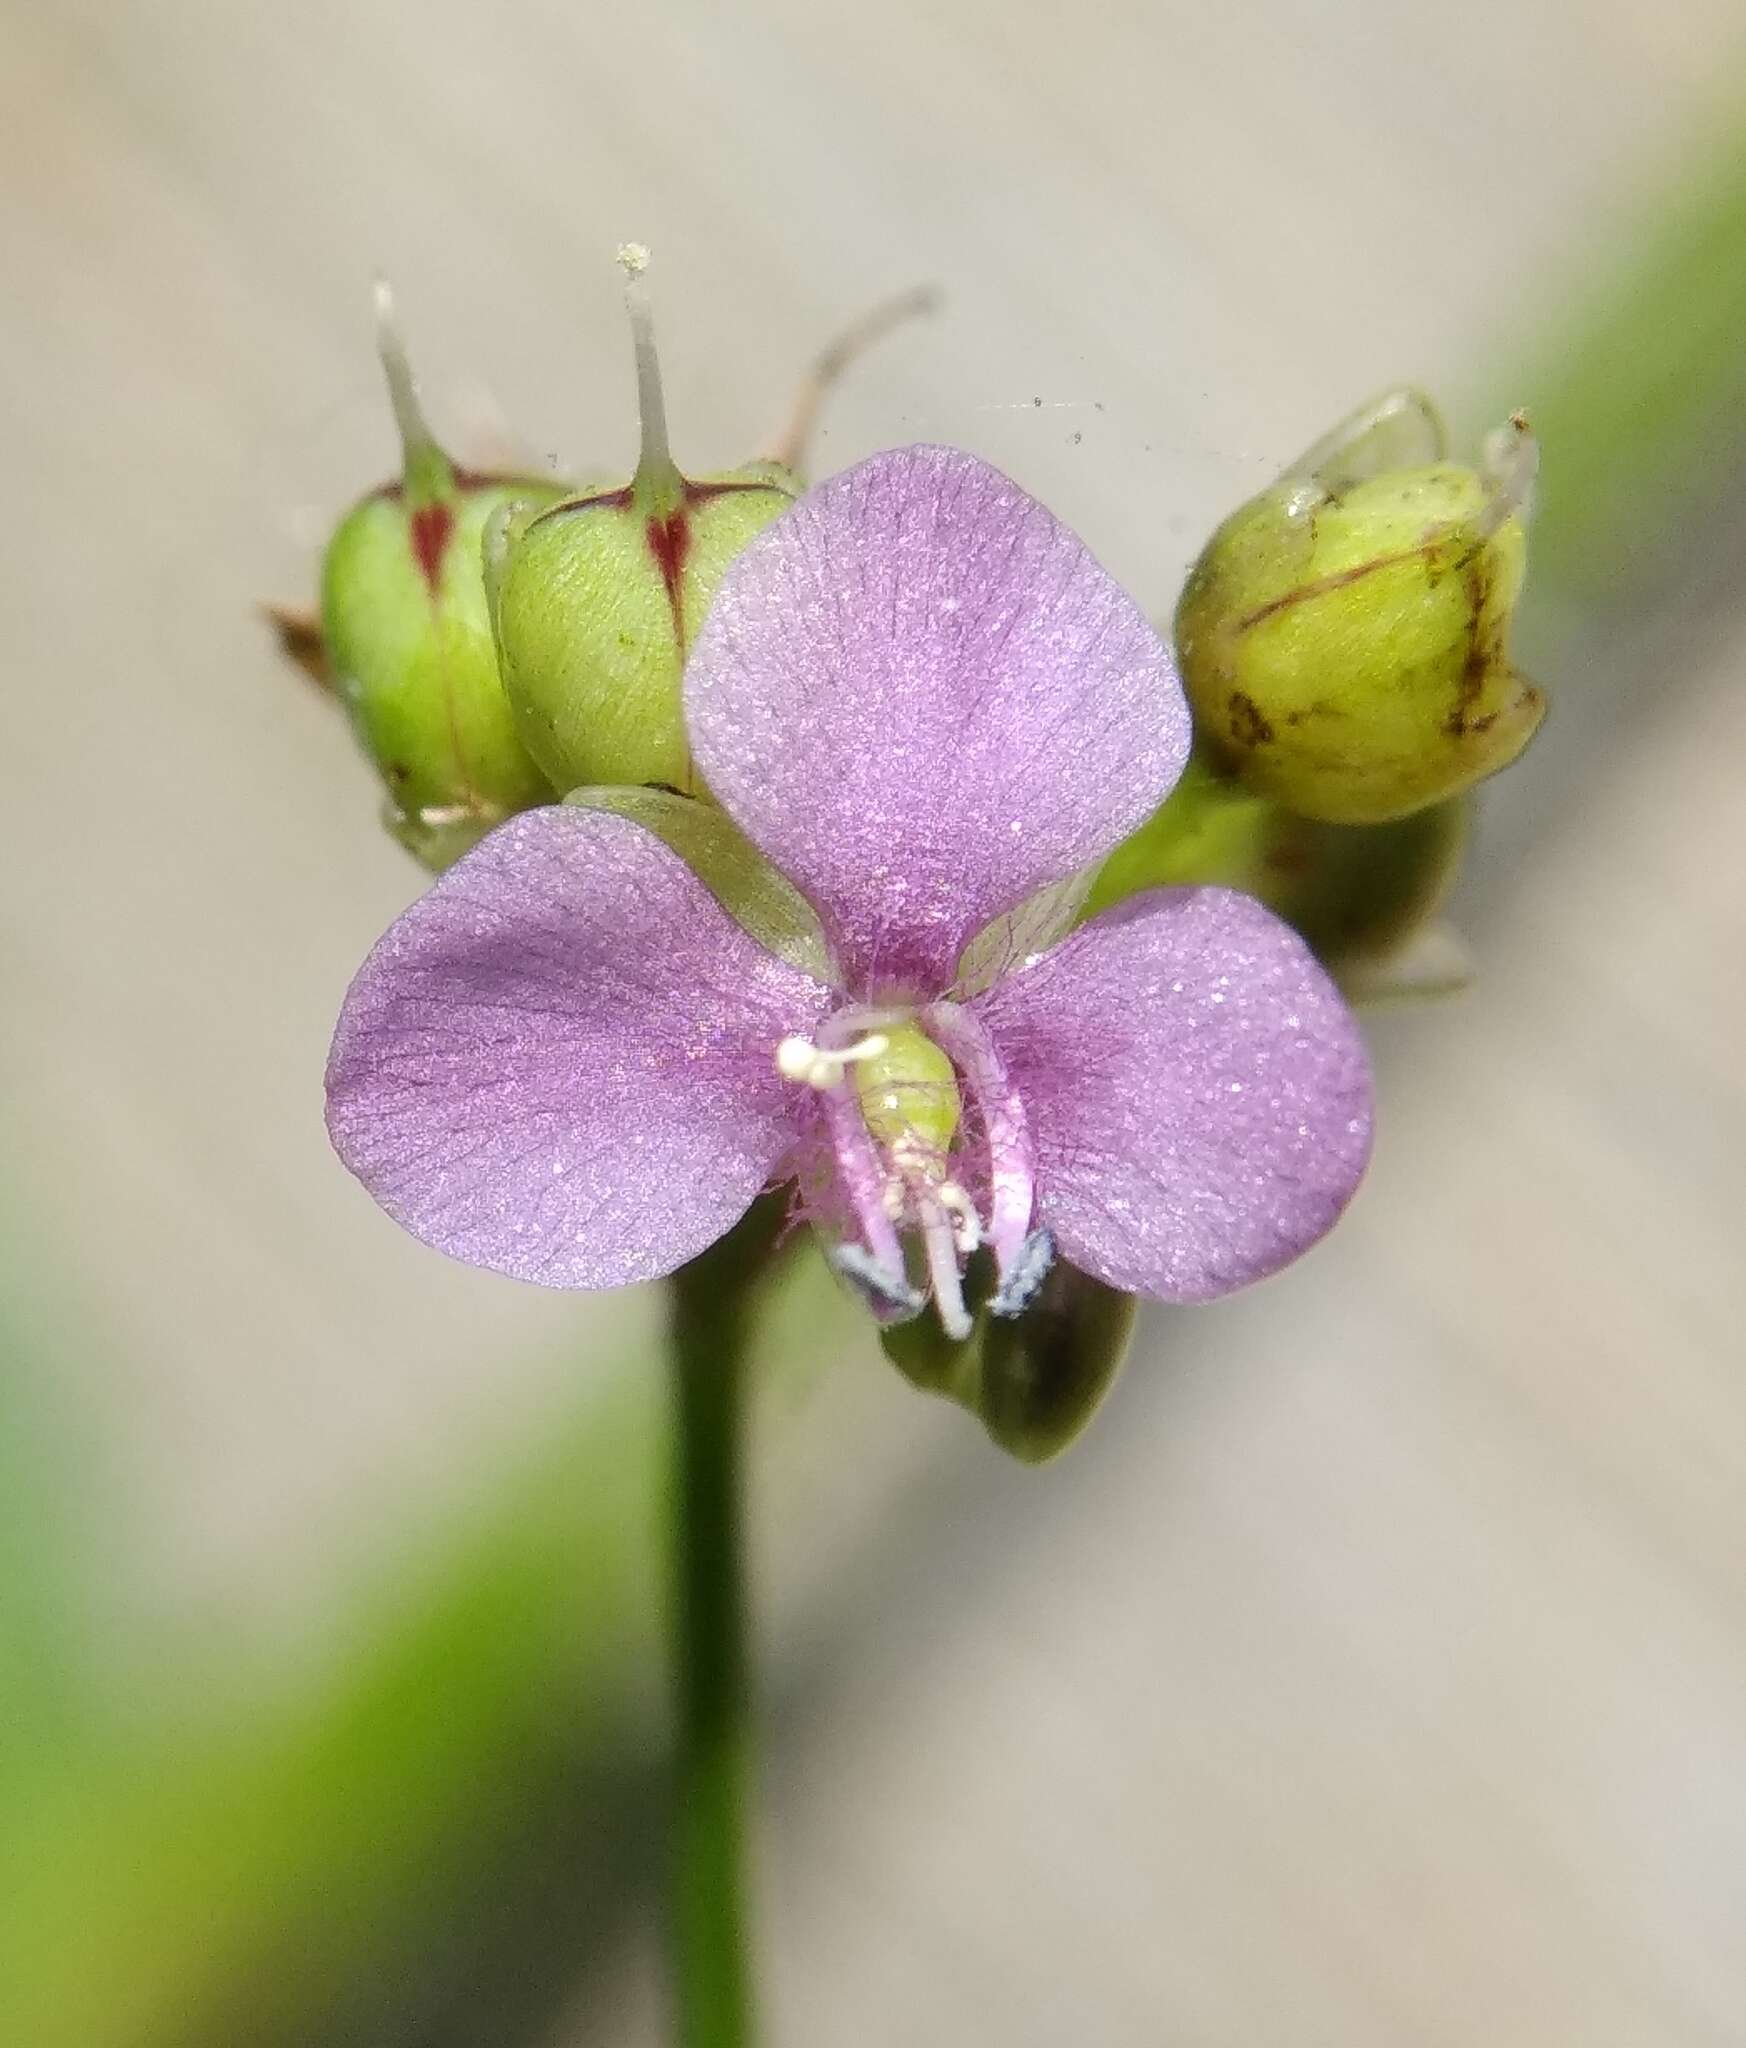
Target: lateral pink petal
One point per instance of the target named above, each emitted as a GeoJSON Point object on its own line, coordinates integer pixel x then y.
{"type": "Point", "coordinates": [1198, 1093]}
{"type": "Point", "coordinates": [559, 1063]}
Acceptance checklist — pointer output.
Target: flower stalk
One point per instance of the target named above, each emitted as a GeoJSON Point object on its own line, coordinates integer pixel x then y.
{"type": "Point", "coordinates": [710, 1326]}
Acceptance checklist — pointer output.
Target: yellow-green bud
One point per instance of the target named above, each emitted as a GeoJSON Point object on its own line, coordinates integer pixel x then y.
{"type": "Point", "coordinates": [407, 633]}
{"type": "Point", "coordinates": [596, 600]}
{"type": "Point", "coordinates": [1344, 636]}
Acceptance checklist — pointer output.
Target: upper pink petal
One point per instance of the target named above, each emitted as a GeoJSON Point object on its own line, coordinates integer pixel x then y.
{"type": "Point", "coordinates": [1197, 1092]}
{"type": "Point", "coordinates": [559, 1062]}
{"type": "Point", "coordinates": [923, 699]}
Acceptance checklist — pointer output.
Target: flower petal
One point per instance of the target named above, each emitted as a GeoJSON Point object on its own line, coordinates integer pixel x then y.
{"type": "Point", "coordinates": [923, 699]}
{"type": "Point", "coordinates": [559, 1062]}
{"type": "Point", "coordinates": [1198, 1094]}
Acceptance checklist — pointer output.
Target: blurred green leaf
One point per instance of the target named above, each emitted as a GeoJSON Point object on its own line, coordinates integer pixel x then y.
{"type": "Point", "coordinates": [1636, 383]}
{"type": "Point", "coordinates": [230, 1867]}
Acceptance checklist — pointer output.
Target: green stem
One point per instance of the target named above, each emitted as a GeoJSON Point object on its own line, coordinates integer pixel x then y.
{"type": "Point", "coordinates": [711, 1320]}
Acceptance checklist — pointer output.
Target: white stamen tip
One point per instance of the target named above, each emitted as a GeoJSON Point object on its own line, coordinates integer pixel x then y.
{"type": "Point", "coordinates": [798, 1059]}
{"type": "Point", "coordinates": [634, 257]}
{"type": "Point", "coordinates": [954, 1320]}
{"type": "Point", "coordinates": [966, 1224]}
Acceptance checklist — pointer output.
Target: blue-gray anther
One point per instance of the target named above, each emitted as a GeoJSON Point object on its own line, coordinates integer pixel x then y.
{"type": "Point", "coordinates": [1029, 1270]}
{"type": "Point", "coordinates": [889, 1293]}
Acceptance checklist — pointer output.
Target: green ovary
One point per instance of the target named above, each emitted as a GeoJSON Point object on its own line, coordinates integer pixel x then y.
{"type": "Point", "coordinates": [909, 1093]}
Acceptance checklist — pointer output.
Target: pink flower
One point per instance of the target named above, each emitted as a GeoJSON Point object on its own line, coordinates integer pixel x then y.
{"type": "Point", "coordinates": [924, 703]}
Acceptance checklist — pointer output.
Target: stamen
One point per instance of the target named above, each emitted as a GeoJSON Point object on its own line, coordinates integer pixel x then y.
{"type": "Point", "coordinates": [798, 1059]}
{"type": "Point", "coordinates": [893, 1130]}
{"type": "Point", "coordinates": [948, 1286]}
{"type": "Point", "coordinates": [915, 1159]}
{"type": "Point", "coordinates": [886, 1290]}
{"type": "Point", "coordinates": [1012, 1189]}
{"type": "Point", "coordinates": [862, 1177]}
{"type": "Point", "coordinates": [966, 1224]}
{"type": "Point", "coordinates": [1029, 1270]}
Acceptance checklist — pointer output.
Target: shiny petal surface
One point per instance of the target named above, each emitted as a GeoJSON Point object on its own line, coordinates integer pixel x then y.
{"type": "Point", "coordinates": [923, 699]}
{"type": "Point", "coordinates": [1197, 1092]}
{"type": "Point", "coordinates": [559, 1062]}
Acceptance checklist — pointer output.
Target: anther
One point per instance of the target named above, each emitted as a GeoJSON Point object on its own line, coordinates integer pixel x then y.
{"type": "Point", "coordinates": [888, 1291]}
{"type": "Point", "coordinates": [1025, 1276]}
{"type": "Point", "coordinates": [798, 1059]}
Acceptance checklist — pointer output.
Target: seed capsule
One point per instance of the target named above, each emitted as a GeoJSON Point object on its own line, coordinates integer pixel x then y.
{"type": "Point", "coordinates": [407, 636]}
{"type": "Point", "coordinates": [1343, 636]}
{"type": "Point", "coordinates": [596, 600]}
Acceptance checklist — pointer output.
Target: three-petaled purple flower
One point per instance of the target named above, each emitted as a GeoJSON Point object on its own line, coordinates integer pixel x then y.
{"type": "Point", "coordinates": [924, 702]}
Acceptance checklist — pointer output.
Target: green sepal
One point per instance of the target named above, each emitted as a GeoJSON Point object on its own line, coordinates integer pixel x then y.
{"type": "Point", "coordinates": [755, 895]}
{"type": "Point", "coordinates": [1033, 1380]}
{"type": "Point", "coordinates": [1360, 895]}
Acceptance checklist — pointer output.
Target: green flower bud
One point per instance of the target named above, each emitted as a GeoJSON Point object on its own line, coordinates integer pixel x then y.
{"type": "Point", "coordinates": [1035, 1379]}
{"type": "Point", "coordinates": [596, 600]}
{"type": "Point", "coordinates": [407, 636]}
{"type": "Point", "coordinates": [1363, 896]}
{"type": "Point", "coordinates": [1343, 637]}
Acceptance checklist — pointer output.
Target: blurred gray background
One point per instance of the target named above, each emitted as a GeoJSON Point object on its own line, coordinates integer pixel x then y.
{"type": "Point", "coordinates": [1375, 1672]}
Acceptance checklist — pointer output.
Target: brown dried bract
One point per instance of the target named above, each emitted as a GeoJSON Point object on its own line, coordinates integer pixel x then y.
{"type": "Point", "coordinates": [298, 630]}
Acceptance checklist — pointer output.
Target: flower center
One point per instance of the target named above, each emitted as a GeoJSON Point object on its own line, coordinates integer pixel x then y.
{"type": "Point", "coordinates": [895, 1086]}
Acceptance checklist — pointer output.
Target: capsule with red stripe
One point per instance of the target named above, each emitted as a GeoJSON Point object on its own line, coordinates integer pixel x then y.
{"type": "Point", "coordinates": [408, 640]}
{"type": "Point", "coordinates": [596, 600]}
